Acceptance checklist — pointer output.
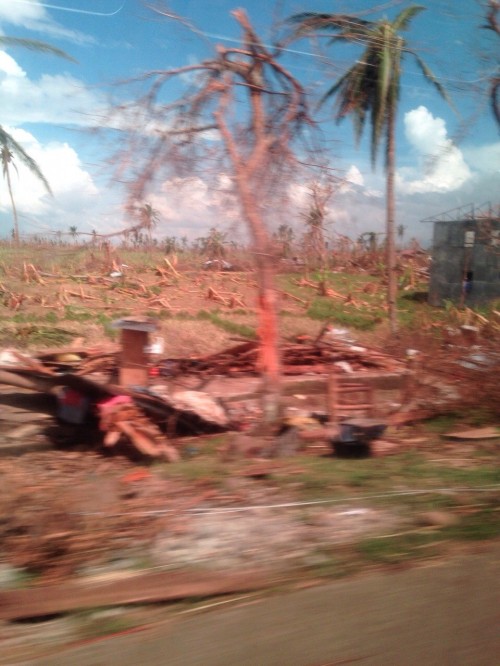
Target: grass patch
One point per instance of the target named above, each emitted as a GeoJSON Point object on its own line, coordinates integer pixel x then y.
{"type": "Point", "coordinates": [443, 423]}
{"type": "Point", "coordinates": [332, 563]}
{"type": "Point", "coordinates": [198, 465]}
{"type": "Point", "coordinates": [110, 332]}
{"type": "Point", "coordinates": [473, 477]}
{"type": "Point", "coordinates": [326, 309]}
{"type": "Point", "coordinates": [49, 317]}
{"type": "Point", "coordinates": [25, 318]}
{"type": "Point", "coordinates": [32, 334]}
{"type": "Point", "coordinates": [478, 526]}
{"type": "Point", "coordinates": [399, 548]}
{"type": "Point", "coordinates": [227, 325]}
{"type": "Point", "coordinates": [104, 625]}
{"type": "Point", "coordinates": [72, 313]}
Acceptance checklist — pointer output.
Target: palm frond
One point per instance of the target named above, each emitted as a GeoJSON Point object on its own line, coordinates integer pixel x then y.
{"type": "Point", "coordinates": [429, 76]}
{"type": "Point", "coordinates": [404, 18]}
{"type": "Point", "coordinates": [34, 45]}
{"type": "Point", "coordinates": [350, 27]}
{"type": "Point", "coordinates": [7, 142]}
{"type": "Point", "coordinates": [372, 85]}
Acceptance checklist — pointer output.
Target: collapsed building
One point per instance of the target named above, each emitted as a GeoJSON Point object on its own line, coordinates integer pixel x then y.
{"type": "Point", "coordinates": [465, 266]}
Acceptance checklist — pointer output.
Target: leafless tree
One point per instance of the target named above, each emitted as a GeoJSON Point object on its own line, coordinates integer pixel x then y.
{"type": "Point", "coordinates": [320, 191]}
{"type": "Point", "coordinates": [242, 107]}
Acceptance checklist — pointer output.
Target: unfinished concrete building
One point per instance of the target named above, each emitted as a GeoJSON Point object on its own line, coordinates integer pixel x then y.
{"type": "Point", "coordinates": [465, 266]}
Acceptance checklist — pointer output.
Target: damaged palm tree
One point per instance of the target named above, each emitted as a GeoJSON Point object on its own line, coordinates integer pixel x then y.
{"type": "Point", "coordinates": [244, 109]}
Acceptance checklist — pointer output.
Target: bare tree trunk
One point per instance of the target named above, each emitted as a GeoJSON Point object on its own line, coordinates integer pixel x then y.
{"type": "Point", "coordinates": [390, 213]}
{"type": "Point", "coordinates": [269, 352]}
{"type": "Point", "coordinates": [257, 142]}
{"type": "Point", "coordinates": [14, 209]}
{"type": "Point", "coordinates": [248, 172]}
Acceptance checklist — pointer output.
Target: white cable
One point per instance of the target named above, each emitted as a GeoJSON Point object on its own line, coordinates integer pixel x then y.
{"type": "Point", "coordinates": [286, 505]}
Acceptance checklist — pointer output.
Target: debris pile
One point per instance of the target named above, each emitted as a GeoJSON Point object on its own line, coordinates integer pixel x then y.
{"type": "Point", "coordinates": [146, 416]}
{"type": "Point", "coordinates": [119, 416]}
{"type": "Point", "coordinates": [318, 357]}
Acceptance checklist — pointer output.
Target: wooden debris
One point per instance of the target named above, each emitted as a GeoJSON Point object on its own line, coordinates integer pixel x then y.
{"type": "Point", "coordinates": [475, 433]}
{"type": "Point", "coordinates": [171, 267]}
{"type": "Point", "coordinates": [213, 295]}
{"type": "Point", "coordinates": [145, 588]}
{"type": "Point", "coordinates": [33, 364]}
{"type": "Point", "coordinates": [287, 294]}
{"type": "Point", "coordinates": [30, 272]}
{"type": "Point", "coordinates": [317, 357]}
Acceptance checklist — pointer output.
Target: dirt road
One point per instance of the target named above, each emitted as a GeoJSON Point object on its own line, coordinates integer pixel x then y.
{"type": "Point", "coordinates": [445, 613]}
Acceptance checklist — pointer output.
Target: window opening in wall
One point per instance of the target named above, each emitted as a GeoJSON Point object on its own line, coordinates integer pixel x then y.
{"type": "Point", "coordinates": [469, 238]}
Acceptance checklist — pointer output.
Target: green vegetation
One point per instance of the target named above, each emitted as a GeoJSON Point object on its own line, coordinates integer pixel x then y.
{"type": "Point", "coordinates": [400, 547]}
{"type": "Point", "coordinates": [37, 335]}
{"type": "Point", "coordinates": [407, 486]}
{"type": "Point", "coordinates": [228, 325]}
{"type": "Point", "coordinates": [325, 309]}
{"type": "Point", "coordinates": [96, 624]}
{"type": "Point", "coordinates": [72, 313]}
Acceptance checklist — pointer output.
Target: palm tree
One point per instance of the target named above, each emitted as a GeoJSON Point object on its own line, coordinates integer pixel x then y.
{"type": "Point", "coordinates": [371, 88]}
{"type": "Point", "coordinates": [284, 238]}
{"type": "Point", "coordinates": [401, 232]}
{"type": "Point", "coordinates": [149, 219]}
{"type": "Point", "coordinates": [74, 232]}
{"type": "Point", "coordinates": [9, 149]}
{"type": "Point", "coordinates": [492, 23]}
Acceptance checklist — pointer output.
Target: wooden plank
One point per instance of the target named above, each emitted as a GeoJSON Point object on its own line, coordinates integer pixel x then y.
{"type": "Point", "coordinates": [476, 433]}
{"type": "Point", "coordinates": [143, 588]}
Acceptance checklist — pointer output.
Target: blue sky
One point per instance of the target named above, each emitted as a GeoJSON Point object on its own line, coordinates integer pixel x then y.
{"type": "Point", "coordinates": [445, 158]}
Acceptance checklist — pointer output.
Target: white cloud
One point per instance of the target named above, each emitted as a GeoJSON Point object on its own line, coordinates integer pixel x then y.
{"type": "Point", "coordinates": [31, 14]}
{"type": "Point", "coordinates": [23, 13]}
{"type": "Point", "coordinates": [189, 206]}
{"type": "Point", "coordinates": [354, 176]}
{"type": "Point", "coordinates": [9, 68]}
{"type": "Point", "coordinates": [485, 158]}
{"type": "Point", "coordinates": [442, 163]}
{"type": "Point", "coordinates": [51, 99]}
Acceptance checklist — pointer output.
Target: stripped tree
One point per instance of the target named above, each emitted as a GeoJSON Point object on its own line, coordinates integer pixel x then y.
{"type": "Point", "coordinates": [320, 192]}
{"type": "Point", "coordinates": [242, 107]}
